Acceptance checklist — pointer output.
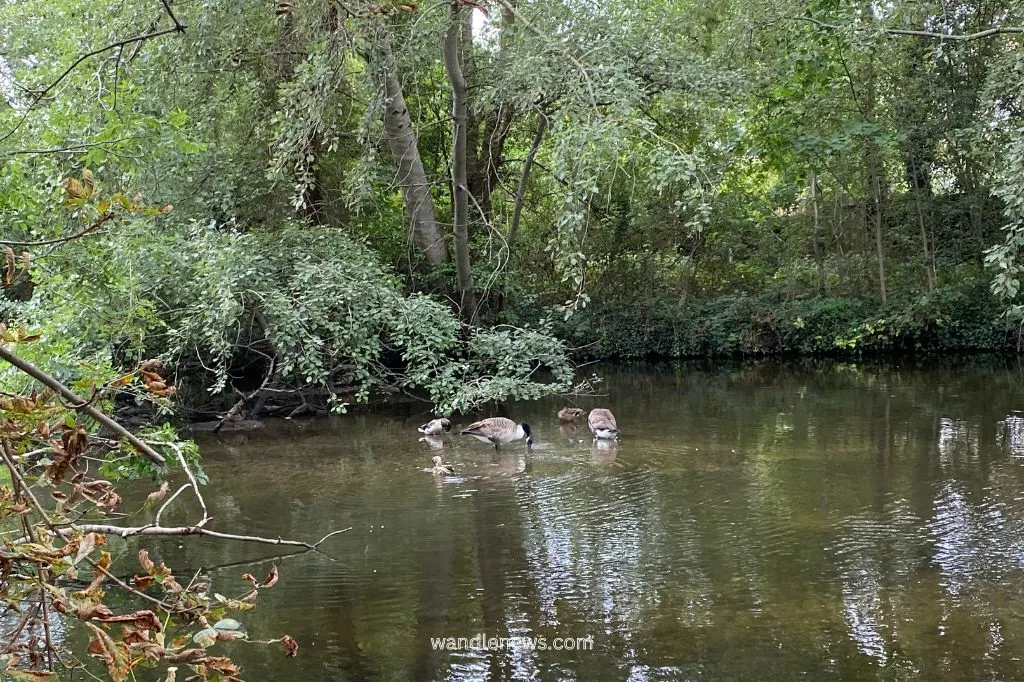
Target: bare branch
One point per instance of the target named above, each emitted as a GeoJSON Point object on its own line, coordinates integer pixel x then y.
{"type": "Point", "coordinates": [93, 226]}
{"type": "Point", "coordinates": [160, 511]}
{"type": "Point", "coordinates": [128, 531]}
{"type": "Point", "coordinates": [66, 150]}
{"type": "Point", "coordinates": [524, 177]}
{"type": "Point", "coordinates": [81, 405]}
{"type": "Point", "coordinates": [987, 33]}
{"type": "Point", "coordinates": [192, 481]}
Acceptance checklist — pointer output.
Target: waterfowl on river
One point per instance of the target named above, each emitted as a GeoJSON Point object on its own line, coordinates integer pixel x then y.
{"type": "Point", "coordinates": [499, 430]}
{"type": "Point", "coordinates": [435, 427]}
{"type": "Point", "coordinates": [570, 414]}
{"type": "Point", "coordinates": [602, 423]}
{"type": "Point", "coordinates": [440, 468]}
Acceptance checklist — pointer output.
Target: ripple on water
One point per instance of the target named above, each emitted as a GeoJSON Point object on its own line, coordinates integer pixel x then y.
{"type": "Point", "coordinates": [974, 540]}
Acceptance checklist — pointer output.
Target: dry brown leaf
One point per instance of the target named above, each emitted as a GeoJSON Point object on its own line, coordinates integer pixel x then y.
{"type": "Point", "coordinates": [104, 563]}
{"type": "Point", "coordinates": [291, 647]}
{"type": "Point", "coordinates": [160, 493]}
{"type": "Point", "coordinates": [188, 656]}
{"type": "Point", "coordinates": [147, 563]}
{"type": "Point", "coordinates": [90, 542]}
{"type": "Point", "coordinates": [115, 657]}
{"type": "Point", "coordinates": [145, 620]}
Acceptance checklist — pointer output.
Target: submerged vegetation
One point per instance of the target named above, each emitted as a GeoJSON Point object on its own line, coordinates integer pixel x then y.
{"type": "Point", "coordinates": [298, 207]}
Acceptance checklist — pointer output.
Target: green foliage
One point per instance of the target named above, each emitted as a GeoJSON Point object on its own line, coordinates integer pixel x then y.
{"type": "Point", "coordinates": [949, 319]}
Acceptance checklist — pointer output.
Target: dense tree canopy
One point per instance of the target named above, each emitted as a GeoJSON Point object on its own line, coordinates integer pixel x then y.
{"type": "Point", "coordinates": [353, 195]}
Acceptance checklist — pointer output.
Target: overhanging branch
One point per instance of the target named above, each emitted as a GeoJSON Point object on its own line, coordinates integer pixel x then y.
{"type": "Point", "coordinates": [178, 27]}
{"type": "Point", "coordinates": [81, 405]}
{"type": "Point", "coordinates": [987, 33]}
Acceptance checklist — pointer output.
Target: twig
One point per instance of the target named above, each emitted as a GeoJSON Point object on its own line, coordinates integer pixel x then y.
{"type": "Point", "coordinates": [177, 24]}
{"type": "Point", "coordinates": [191, 479]}
{"type": "Point", "coordinates": [138, 593]}
{"type": "Point", "coordinates": [128, 531]}
{"type": "Point", "coordinates": [909, 32]}
{"type": "Point", "coordinates": [81, 405]}
{"type": "Point", "coordinates": [120, 43]}
{"type": "Point", "coordinates": [332, 533]}
{"type": "Point", "coordinates": [60, 240]}
{"type": "Point", "coordinates": [170, 499]}
{"type": "Point", "coordinates": [66, 150]}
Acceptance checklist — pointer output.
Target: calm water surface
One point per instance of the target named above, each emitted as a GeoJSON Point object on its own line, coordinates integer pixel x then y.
{"type": "Point", "coordinates": [765, 521]}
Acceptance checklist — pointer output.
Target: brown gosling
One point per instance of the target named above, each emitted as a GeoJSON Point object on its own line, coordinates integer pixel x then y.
{"type": "Point", "coordinates": [440, 468]}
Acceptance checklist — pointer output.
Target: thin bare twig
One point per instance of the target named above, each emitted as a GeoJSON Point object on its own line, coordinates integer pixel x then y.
{"type": "Point", "coordinates": [191, 480]}
{"type": "Point", "coordinates": [177, 28]}
{"type": "Point", "coordinates": [128, 531]}
{"type": "Point", "coordinates": [170, 499]}
{"type": "Point", "coordinates": [94, 225]}
{"type": "Point", "coordinates": [987, 33]}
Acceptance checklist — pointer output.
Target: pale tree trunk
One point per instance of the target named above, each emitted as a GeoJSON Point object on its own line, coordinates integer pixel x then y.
{"type": "Point", "coordinates": [875, 182]}
{"type": "Point", "coordinates": [403, 141]}
{"type": "Point", "coordinates": [460, 191]}
{"type": "Point", "coordinates": [816, 237]}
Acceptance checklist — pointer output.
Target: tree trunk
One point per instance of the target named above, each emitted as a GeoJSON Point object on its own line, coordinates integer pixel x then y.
{"type": "Point", "coordinates": [875, 180]}
{"type": "Point", "coordinates": [929, 270]}
{"type": "Point", "coordinates": [485, 147]}
{"type": "Point", "coordinates": [403, 141]}
{"type": "Point", "coordinates": [460, 190]}
{"type": "Point", "coordinates": [816, 237]}
{"type": "Point", "coordinates": [524, 179]}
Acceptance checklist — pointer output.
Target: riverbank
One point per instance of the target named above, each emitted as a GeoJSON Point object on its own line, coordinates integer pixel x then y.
{"type": "Point", "coordinates": [967, 319]}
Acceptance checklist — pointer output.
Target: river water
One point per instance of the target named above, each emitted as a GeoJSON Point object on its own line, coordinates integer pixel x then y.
{"type": "Point", "coordinates": [760, 521]}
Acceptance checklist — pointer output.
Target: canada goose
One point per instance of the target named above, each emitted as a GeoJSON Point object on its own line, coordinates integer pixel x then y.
{"type": "Point", "coordinates": [435, 427]}
{"type": "Point", "coordinates": [440, 468]}
{"type": "Point", "coordinates": [498, 430]}
{"type": "Point", "coordinates": [602, 423]}
{"type": "Point", "coordinates": [570, 414]}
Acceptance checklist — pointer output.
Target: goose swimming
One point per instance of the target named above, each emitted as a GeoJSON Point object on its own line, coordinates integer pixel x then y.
{"type": "Point", "coordinates": [435, 427]}
{"type": "Point", "coordinates": [499, 430]}
{"type": "Point", "coordinates": [602, 423]}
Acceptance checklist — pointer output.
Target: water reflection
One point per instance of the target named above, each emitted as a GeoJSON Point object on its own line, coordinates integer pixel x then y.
{"type": "Point", "coordinates": [433, 442]}
{"type": "Point", "coordinates": [765, 521]}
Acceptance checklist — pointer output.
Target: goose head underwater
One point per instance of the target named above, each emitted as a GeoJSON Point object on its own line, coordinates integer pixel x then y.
{"type": "Point", "coordinates": [602, 423]}
{"type": "Point", "coordinates": [435, 427]}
